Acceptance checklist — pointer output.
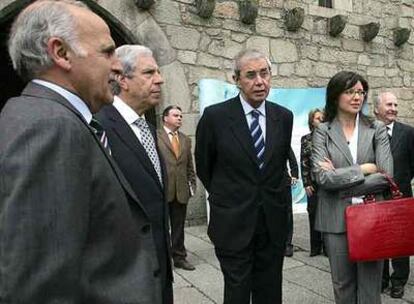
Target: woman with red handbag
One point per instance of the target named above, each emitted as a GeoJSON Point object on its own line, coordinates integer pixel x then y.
{"type": "Point", "coordinates": [348, 152]}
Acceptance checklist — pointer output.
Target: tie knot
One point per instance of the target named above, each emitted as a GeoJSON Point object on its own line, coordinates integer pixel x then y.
{"type": "Point", "coordinates": [141, 123]}
{"type": "Point", "coordinates": [255, 114]}
{"type": "Point", "coordinates": [96, 125]}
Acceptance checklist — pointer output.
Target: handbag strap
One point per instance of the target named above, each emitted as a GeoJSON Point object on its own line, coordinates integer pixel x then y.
{"type": "Point", "coordinates": [394, 189]}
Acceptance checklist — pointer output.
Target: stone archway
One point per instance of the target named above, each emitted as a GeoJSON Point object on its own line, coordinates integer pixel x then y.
{"type": "Point", "coordinates": [128, 24]}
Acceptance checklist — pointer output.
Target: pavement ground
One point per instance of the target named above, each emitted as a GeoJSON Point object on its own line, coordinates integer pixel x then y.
{"type": "Point", "coordinates": [306, 280]}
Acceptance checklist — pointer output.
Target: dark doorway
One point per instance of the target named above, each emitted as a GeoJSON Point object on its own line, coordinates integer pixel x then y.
{"type": "Point", "coordinates": [11, 84]}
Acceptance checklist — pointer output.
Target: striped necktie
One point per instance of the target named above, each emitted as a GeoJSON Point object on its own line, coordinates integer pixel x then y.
{"type": "Point", "coordinates": [100, 133]}
{"type": "Point", "coordinates": [148, 142]}
{"type": "Point", "coordinates": [389, 133]}
{"type": "Point", "coordinates": [257, 136]}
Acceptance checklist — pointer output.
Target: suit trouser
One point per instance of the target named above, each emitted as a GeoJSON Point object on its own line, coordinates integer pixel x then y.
{"type": "Point", "coordinates": [316, 242]}
{"type": "Point", "coordinates": [178, 213]}
{"type": "Point", "coordinates": [290, 217]}
{"type": "Point", "coordinates": [254, 272]}
{"type": "Point", "coordinates": [399, 276]}
{"type": "Point", "coordinates": [165, 265]}
{"type": "Point", "coordinates": [353, 283]}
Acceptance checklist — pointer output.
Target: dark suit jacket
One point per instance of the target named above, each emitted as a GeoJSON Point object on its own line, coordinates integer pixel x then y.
{"type": "Point", "coordinates": [227, 165]}
{"type": "Point", "coordinates": [402, 149]}
{"type": "Point", "coordinates": [71, 229]}
{"type": "Point", "coordinates": [134, 162]}
{"type": "Point", "coordinates": [180, 172]}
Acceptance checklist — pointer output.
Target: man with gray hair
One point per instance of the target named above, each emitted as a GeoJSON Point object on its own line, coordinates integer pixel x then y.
{"type": "Point", "coordinates": [71, 229]}
{"type": "Point", "coordinates": [134, 147]}
{"type": "Point", "coordinates": [242, 146]}
{"type": "Point", "coordinates": [402, 147]}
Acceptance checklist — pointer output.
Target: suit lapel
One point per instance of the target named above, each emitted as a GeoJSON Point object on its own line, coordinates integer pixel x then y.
{"type": "Point", "coordinates": [396, 137]}
{"type": "Point", "coordinates": [365, 136]}
{"type": "Point", "coordinates": [337, 136]}
{"type": "Point", "coordinates": [272, 132]}
{"type": "Point", "coordinates": [238, 125]}
{"type": "Point", "coordinates": [124, 132]}
{"type": "Point", "coordinates": [33, 89]}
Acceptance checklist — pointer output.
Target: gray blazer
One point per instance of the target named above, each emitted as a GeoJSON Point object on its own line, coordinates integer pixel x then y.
{"type": "Point", "coordinates": [338, 186]}
{"type": "Point", "coordinates": [71, 228]}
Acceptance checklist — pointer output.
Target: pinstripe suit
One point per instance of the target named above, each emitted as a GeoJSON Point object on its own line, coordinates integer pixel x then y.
{"type": "Point", "coordinates": [361, 282]}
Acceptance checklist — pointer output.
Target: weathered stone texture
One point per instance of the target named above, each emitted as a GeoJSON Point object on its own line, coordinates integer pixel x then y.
{"type": "Point", "coordinates": [283, 51]}
{"type": "Point", "coordinates": [183, 38]}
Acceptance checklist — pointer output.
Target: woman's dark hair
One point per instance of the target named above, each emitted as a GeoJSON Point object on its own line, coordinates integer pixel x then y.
{"type": "Point", "coordinates": [339, 83]}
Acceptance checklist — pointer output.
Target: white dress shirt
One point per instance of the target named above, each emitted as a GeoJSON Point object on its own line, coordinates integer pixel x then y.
{"type": "Point", "coordinates": [129, 115]}
{"type": "Point", "coordinates": [73, 99]}
{"type": "Point", "coordinates": [353, 147]}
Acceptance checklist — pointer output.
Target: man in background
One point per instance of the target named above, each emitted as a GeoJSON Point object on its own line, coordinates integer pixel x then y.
{"type": "Point", "coordinates": [175, 148]}
{"type": "Point", "coordinates": [402, 147]}
{"type": "Point", "coordinates": [71, 229]}
{"type": "Point", "coordinates": [242, 146]}
{"type": "Point", "coordinates": [133, 145]}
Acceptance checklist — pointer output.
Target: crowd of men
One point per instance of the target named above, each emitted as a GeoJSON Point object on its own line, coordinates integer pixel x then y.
{"type": "Point", "coordinates": [90, 190]}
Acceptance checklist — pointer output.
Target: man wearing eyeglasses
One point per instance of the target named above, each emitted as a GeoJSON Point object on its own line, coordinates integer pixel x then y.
{"type": "Point", "coordinates": [402, 147]}
{"type": "Point", "coordinates": [242, 147]}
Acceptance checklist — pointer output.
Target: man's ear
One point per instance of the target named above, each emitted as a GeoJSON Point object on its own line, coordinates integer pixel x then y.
{"type": "Point", "coordinates": [59, 52]}
{"type": "Point", "coordinates": [236, 80]}
{"type": "Point", "coordinates": [375, 111]}
{"type": "Point", "coordinates": [123, 83]}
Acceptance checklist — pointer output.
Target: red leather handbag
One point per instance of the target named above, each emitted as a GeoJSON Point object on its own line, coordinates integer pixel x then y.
{"type": "Point", "coordinates": [381, 230]}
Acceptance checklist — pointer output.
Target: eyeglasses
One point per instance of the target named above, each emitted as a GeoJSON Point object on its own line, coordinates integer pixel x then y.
{"type": "Point", "coordinates": [262, 73]}
{"type": "Point", "coordinates": [352, 92]}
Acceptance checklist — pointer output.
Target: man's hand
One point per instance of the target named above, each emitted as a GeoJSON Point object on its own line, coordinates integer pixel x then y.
{"type": "Point", "coordinates": [309, 190]}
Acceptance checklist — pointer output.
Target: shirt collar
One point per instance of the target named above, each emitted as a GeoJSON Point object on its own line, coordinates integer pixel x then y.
{"type": "Point", "coordinates": [169, 131]}
{"type": "Point", "coordinates": [73, 99]}
{"type": "Point", "coordinates": [390, 127]}
{"type": "Point", "coordinates": [126, 111]}
{"type": "Point", "coordinates": [247, 108]}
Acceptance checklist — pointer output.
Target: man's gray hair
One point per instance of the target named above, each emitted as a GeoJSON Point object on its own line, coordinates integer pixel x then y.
{"type": "Point", "coordinates": [32, 30]}
{"type": "Point", "coordinates": [378, 98]}
{"type": "Point", "coordinates": [248, 54]}
{"type": "Point", "coordinates": [129, 54]}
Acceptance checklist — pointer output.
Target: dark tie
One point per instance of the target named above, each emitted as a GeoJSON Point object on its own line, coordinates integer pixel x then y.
{"type": "Point", "coordinates": [148, 142]}
{"type": "Point", "coordinates": [100, 133]}
{"type": "Point", "coordinates": [257, 136]}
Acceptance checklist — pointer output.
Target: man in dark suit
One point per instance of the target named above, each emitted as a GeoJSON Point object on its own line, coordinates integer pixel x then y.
{"type": "Point", "coordinates": [242, 147]}
{"type": "Point", "coordinates": [71, 229]}
{"type": "Point", "coordinates": [402, 147]}
{"type": "Point", "coordinates": [175, 148]}
{"type": "Point", "coordinates": [133, 145]}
